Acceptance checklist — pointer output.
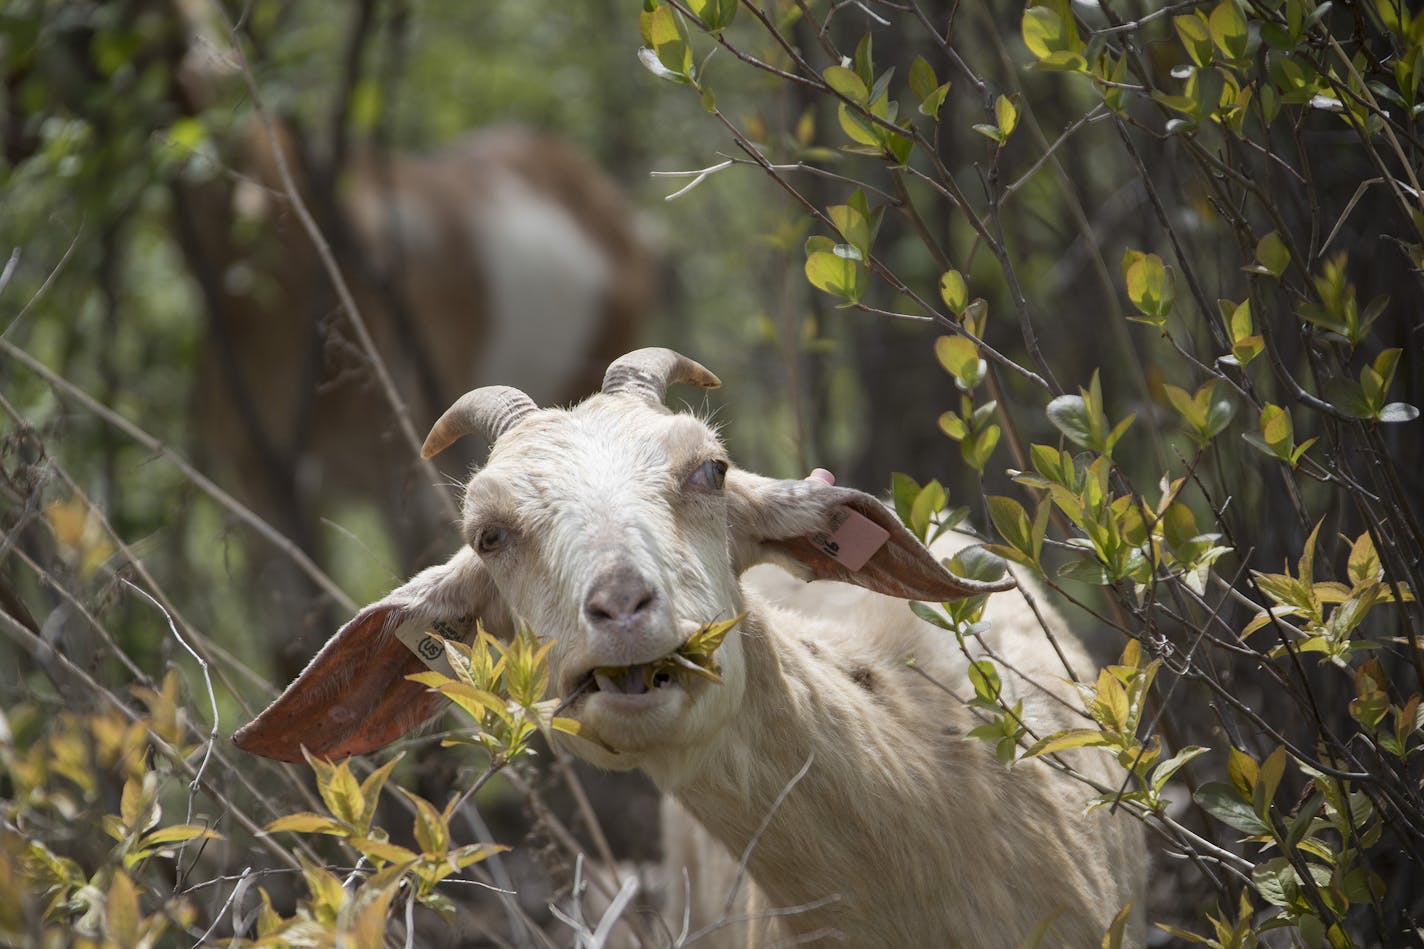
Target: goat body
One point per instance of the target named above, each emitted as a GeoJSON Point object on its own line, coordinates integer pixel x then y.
{"type": "Point", "coordinates": [614, 529]}
{"type": "Point", "coordinates": [507, 251]}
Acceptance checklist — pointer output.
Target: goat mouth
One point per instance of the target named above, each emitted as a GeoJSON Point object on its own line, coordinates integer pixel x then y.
{"type": "Point", "coordinates": [692, 660]}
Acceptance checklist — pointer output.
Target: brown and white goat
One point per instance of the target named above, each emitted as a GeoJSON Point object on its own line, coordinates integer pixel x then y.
{"type": "Point", "coordinates": [615, 528]}
{"type": "Point", "coordinates": [506, 252]}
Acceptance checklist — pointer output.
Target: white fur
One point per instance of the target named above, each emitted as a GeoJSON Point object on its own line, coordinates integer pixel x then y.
{"type": "Point", "coordinates": [903, 832]}
{"type": "Point", "coordinates": [548, 281]}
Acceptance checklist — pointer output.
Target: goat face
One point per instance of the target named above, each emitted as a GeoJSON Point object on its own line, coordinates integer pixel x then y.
{"type": "Point", "coordinates": [605, 528]}
{"type": "Point", "coordinates": [615, 529]}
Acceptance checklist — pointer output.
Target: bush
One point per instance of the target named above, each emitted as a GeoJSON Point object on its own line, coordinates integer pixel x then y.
{"type": "Point", "coordinates": [1166, 259]}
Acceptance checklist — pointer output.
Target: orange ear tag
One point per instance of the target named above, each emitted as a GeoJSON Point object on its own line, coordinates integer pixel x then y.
{"type": "Point", "coordinates": [852, 540]}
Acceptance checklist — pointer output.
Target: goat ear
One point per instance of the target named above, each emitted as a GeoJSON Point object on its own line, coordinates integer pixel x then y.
{"type": "Point", "coordinates": [354, 697]}
{"type": "Point", "coordinates": [823, 532]}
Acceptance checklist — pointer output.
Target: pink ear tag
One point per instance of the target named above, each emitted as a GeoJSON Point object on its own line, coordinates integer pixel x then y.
{"type": "Point", "coordinates": [415, 634]}
{"type": "Point", "coordinates": [852, 540]}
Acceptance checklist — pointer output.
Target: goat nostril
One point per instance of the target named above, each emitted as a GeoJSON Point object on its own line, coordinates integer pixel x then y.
{"type": "Point", "coordinates": [621, 599]}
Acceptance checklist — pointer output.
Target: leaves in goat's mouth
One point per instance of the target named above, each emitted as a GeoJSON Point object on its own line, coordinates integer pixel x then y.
{"type": "Point", "coordinates": [692, 658]}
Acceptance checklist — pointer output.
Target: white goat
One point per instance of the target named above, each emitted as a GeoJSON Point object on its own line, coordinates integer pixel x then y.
{"type": "Point", "coordinates": [615, 528]}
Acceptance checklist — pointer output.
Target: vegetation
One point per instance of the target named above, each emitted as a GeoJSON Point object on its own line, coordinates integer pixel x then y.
{"type": "Point", "coordinates": [1134, 287]}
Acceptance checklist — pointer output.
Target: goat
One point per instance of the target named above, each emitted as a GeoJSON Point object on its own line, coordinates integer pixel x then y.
{"type": "Point", "coordinates": [507, 251]}
{"type": "Point", "coordinates": [615, 528]}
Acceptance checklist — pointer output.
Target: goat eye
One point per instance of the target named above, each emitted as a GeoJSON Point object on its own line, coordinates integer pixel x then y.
{"type": "Point", "coordinates": [491, 539]}
{"type": "Point", "coordinates": [710, 475]}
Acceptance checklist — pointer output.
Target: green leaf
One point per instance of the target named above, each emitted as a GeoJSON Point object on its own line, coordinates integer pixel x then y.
{"type": "Point", "coordinates": [1067, 740]}
{"type": "Point", "coordinates": [985, 679]}
{"type": "Point", "coordinates": [953, 291]}
{"type": "Point", "coordinates": [1149, 284]}
{"type": "Point", "coordinates": [1117, 931]}
{"type": "Point", "coordinates": [1040, 28]}
{"type": "Point", "coordinates": [178, 833]}
{"type": "Point", "coordinates": [665, 34]}
{"type": "Point", "coordinates": [846, 82]}
{"type": "Point", "coordinates": [383, 851]}
{"type": "Point", "coordinates": [1272, 770]}
{"type": "Point", "coordinates": [903, 490]}
{"type": "Point", "coordinates": [715, 15]}
{"type": "Point", "coordinates": [1011, 521]}
{"type": "Point", "coordinates": [1069, 414]}
{"type": "Point", "coordinates": [928, 503]}
{"type": "Point", "coordinates": [1165, 770]}
{"type": "Point", "coordinates": [1195, 35]}
{"type": "Point", "coordinates": [1272, 255]}
{"type": "Point", "coordinates": [121, 911]}
{"type": "Point", "coordinates": [836, 274]}
{"type": "Point", "coordinates": [1006, 114]}
{"type": "Point", "coordinates": [306, 822]}
{"type": "Point", "coordinates": [1228, 29]}
{"type": "Point", "coordinates": [960, 358]}
{"type": "Point", "coordinates": [1221, 801]}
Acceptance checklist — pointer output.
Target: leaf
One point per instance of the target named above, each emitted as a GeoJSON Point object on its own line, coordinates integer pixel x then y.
{"type": "Point", "coordinates": [853, 226]}
{"type": "Point", "coordinates": [342, 795]}
{"type": "Point", "coordinates": [903, 489]}
{"type": "Point", "coordinates": [1272, 255]}
{"type": "Point", "coordinates": [953, 291]}
{"type": "Point", "coordinates": [1006, 115]}
{"type": "Point", "coordinates": [985, 679]}
{"type": "Point", "coordinates": [1011, 521]}
{"type": "Point", "coordinates": [930, 502]}
{"type": "Point", "coordinates": [1067, 740]}
{"type": "Point", "coordinates": [1195, 35]}
{"type": "Point", "coordinates": [847, 83]}
{"type": "Point", "coordinates": [960, 357]}
{"type": "Point", "coordinates": [121, 911]}
{"type": "Point", "coordinates": [1069, 414]}
{"type": "Point", "coordinates": [371, 790]}
{"type": "Point", "coordinates": [1166, 769]}
{"type": "Point", "coordinates": [432, 834]}
{"type": "Point", "coordinates": [1228, 29]}
{"type": "Point", "coordinates": [1149, 284]}
{"type": "Point", "coordinates": [836, 274]}
{"type": "Point", "coordinates": [666, 37]}
{"type": "Point", "coordinates": [383, 850]}
{"type": "Point", "coordinates": [1221, 802]}
{"type": "Point", "coordinates": [1113, 938]}
{"type": "Point", "coordinates": [1272, 770]}
{"type": "Point", "coordinates": [1243, 770]}
{"type": "Point", "coordinates": [306, 822]}
{"type": "Point", "coordinates": [178, 833]}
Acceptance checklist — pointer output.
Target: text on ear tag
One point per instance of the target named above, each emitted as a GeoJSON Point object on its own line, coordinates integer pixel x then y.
{"type": "Point", "coordinates": [416, 635]}
{"type": "Point", "coordinates": [852, 539]}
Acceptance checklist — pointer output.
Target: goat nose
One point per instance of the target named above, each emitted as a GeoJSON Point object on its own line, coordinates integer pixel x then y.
{"type": "Point", "coordinates": [620, 597]}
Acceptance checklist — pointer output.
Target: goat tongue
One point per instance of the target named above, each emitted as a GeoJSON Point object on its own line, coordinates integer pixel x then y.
{"type": "Point", "coordinates": [628, 681]}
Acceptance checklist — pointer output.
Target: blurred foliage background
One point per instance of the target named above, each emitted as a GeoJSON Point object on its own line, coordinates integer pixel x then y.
{"type": "Point", "coordinates": [102, 131]}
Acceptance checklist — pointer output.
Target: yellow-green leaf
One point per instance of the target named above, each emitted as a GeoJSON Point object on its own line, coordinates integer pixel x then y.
{"type": "Point", "coordinates": [121, 911]}
{"type": "Point", "coordinates": [306, 823]}
{"type": "Point", "coordinates": [1067, 740]}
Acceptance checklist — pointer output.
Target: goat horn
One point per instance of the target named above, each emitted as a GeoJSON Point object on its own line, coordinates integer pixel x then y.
{"type": "Point", "coordinates": [489, 411]}
{"type": "Point", "coordinates": [649, 372]}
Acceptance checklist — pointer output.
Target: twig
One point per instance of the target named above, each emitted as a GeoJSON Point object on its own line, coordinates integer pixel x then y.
{"type": "Point", "coordinates": [157, 447]}
{"type": "Point", "coordinates": [44, 287]}
{"type": "Point", "coordinates": [207, 680]}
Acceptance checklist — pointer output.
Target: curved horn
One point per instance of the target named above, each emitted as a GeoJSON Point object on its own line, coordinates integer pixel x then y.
{"type": "Point", "coordinates": [490, 411]}
{"type": "Point", "coordinates": [649, 372]}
